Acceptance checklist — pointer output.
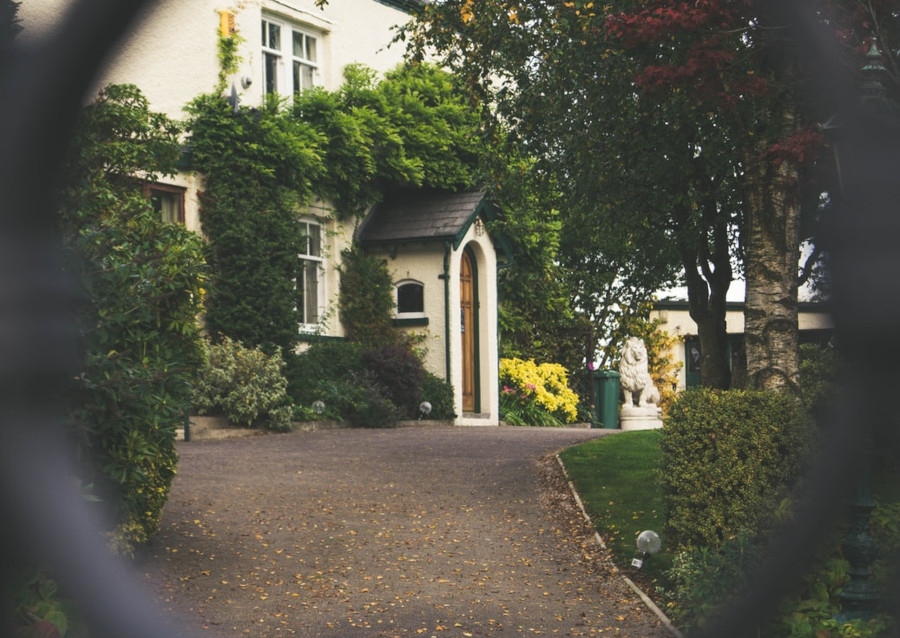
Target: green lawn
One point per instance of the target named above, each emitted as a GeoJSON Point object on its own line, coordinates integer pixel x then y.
{"type": "Point", "coordinates": [616, 479]}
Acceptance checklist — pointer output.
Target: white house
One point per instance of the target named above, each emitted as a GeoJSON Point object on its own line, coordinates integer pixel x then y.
{"type": "Point", "coordinates": [814, 323]}
{"type": "Point", "coordinates": [447, 272]}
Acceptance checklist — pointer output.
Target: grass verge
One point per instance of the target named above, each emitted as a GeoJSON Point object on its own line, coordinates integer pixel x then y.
{"type": "Point", "coordinates": [616, 478]}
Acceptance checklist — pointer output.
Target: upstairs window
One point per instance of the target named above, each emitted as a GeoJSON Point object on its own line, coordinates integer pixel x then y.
{"type": "Point", "coordinates": [290, 58]}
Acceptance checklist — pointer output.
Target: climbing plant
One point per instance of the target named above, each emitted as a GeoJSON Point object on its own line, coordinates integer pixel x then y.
{"type": "Point", "coordinates": [349, 147]}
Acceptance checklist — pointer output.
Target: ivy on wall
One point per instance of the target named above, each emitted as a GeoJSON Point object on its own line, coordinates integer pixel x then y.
{"type": "Point", "coordinates": [349, 147]}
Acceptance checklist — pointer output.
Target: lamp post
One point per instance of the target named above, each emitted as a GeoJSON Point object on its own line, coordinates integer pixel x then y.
{"type": "Point", "coordinates": [855, 161]}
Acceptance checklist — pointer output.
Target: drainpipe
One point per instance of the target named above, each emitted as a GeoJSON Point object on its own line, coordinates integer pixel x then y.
{"type": "Point", "coordinates": [446, 278]}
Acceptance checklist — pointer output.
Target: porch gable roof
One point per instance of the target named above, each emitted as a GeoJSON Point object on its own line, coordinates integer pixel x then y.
{"type": "Point", "coordinates": [424, 216]}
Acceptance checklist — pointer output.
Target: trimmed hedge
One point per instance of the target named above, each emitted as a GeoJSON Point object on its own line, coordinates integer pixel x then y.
{"type": "Point", "coordinates": [729, 457]}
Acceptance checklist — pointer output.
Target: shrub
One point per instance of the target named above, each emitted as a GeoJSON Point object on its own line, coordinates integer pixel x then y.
{"type": "Point", "coordinates": [244, 384]}
{"type": "Point", "coordinates": [398, 373]}
{"type": "Point", "coordinates": [819, 365]}
{"type": "Point", "coordinates": [439, 394]}
{"type": "Point", "coordinates": [140, 281]}
{"type": "Point", "coordinates": [366, 301]}
{"type": "Point", "coordinates": [368, 406]}
{"type": "Point", "coordinates": [531, 391]}
{"type": "Point", "coordinates": [728, 458]}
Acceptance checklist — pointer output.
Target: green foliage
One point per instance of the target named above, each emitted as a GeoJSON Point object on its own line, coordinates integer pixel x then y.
{"type": "Point", "coordinates": [536, 394]}
{"type": "Point", "coordinates": [439, 394]}
{"type": "Point", "coordinates": [413, 128]}
{"type": "Point", "coordinates": [259, 168]}
{"type": "Point", "coordinates": [244, 384]}
{"type": "Point", "coordinates": [263, 165]}
{"type": "Point", "coordinates": [819, 366]}
{"type": "Point", "coordinates": [141, 289]}
{"type": "Point", "coordinates": [366, 300]}
{"type": "Point", "coordinates": [701, 580]}
{"type": "Point", "coordinates": [40, 610]}
{"type": "Point", "coordinates": [729, 457]}
{"type": "Point", "coordinates": [10, 23]}
{"type": "Point", "coordinates": [399, 373]}
{"type": "Point", "coordinates": [229, 60]}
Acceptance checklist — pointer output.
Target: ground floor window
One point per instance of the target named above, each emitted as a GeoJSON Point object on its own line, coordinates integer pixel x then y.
{"type": "Point", "coordinates": [309, 276]}
{"type": "Point", "coordinates": [167, 201]}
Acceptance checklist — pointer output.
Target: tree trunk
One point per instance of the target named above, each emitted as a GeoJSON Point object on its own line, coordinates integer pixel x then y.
{"type": "Point", "coordinates": [707, 273]}
{"type": "Point", "coordinates": [771, 258]}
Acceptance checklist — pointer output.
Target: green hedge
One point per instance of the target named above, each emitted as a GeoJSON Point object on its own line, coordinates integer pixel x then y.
{"type": "Point", "coordinates": [729, 458]}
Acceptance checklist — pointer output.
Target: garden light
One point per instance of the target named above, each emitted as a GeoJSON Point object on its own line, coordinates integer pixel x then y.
{"type": "Point", "coordinates": [318, 407]}
{"type": "Point", "coordinates": [648, 543]}
{"type": "Point", "coordinates": [424, 409]}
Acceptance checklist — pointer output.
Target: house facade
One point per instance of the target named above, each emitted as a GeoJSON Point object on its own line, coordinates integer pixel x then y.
{"type": "Point", "coordinates": [814, 323]}
{"type": "Point", "coordinates": [286, 46]}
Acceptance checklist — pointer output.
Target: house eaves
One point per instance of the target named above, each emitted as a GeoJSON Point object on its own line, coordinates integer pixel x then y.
{"type": "Point", "coordinates": [409, 6]}
{"type": "Point", "coordinates": [424, 216]}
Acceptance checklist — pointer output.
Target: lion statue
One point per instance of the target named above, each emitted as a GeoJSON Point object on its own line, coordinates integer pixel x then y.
{"type": "Point", "coordinates": [637, 386]}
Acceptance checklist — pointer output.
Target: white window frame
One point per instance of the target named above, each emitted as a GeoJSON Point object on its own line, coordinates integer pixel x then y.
{"type": "Point", "coordinates": [408, 315]}
{"type": "Point", "coordinates": [278, 77]}
{"type": "Point", "coordinates": [311, 259]}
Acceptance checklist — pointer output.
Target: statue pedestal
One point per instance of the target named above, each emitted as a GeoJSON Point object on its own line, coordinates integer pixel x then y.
{"type": "Point", "coordinates": [635, 418]}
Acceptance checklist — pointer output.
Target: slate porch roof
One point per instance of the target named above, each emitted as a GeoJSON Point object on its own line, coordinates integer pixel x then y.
{"type": "Point", "coordinates": [423, 216]}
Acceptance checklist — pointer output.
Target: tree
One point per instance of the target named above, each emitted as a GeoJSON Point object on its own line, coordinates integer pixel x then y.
{"type": "Point", "coordinates": [9, 20]}
{"type": "Point", "coordinates": [687, 119]}
{"type": "Point", "coordinates": [629, 176]}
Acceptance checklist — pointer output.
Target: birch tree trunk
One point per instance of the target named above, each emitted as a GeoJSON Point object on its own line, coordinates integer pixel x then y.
{"type": "Point", "coordinates": [771, 256]}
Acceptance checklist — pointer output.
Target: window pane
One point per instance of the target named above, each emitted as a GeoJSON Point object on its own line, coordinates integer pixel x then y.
{"type": "Point", "coordinates": [310, 49]}
{"type": "Point", "coordinates": [272, 36]}
{"type": "Point", "coordinates": [311, 292]}
{"type": "Point", "coordinates": [410, 298]}
{"type": "Point", "coordinates": [167, 204]}
{"type": "Point", "coordinates": [270, 73]}
{"type": "Point", "coordinates": [303, 77]}
{"type": "Point", "coordinates": [313, 244]}
{"type": "Point", "coordinates": [298, 45]}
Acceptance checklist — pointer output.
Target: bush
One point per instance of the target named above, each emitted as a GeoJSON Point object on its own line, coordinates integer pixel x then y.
{"type": "Point", "coordinates": [439, 394]}
{"type": "Point", "coordinates": [368, 406]}
{"type": "Point", "coordinates": [244, 384]}
{"type": "Point", "coordinates": [141, 283]}
{"type": "Point", "coordinates": [729, 457]}
{"type": "Point", "coordinates": [819, 366]}
{"type": "Point", "coordinates": [398, 373]}
{"type": "Point", "coordinates": [532, 393]}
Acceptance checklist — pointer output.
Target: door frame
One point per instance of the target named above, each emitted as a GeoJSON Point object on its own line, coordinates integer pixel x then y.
{"type": "Point", "coordinates": [469, 255]}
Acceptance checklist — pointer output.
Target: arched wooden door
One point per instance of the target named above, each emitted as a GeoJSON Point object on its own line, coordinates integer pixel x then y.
{"type": "Point", "coordinates": [468, 300]}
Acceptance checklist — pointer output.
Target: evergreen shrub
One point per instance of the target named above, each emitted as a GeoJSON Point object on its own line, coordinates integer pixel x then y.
{"type": "Point", "coordinates": [141, 289]}
{"type": "Point", "coordinates": [440, 395]}
{"type": "Point", "coordinates": [244, 384]}
{"type": "Point", "coordinates": [729, 458]}
{"type": "Point", "coordinates": [399, 373]}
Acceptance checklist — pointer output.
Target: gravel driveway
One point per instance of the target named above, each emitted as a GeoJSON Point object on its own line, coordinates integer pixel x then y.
{"type": "Point", "coordinates": [440, 532]}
